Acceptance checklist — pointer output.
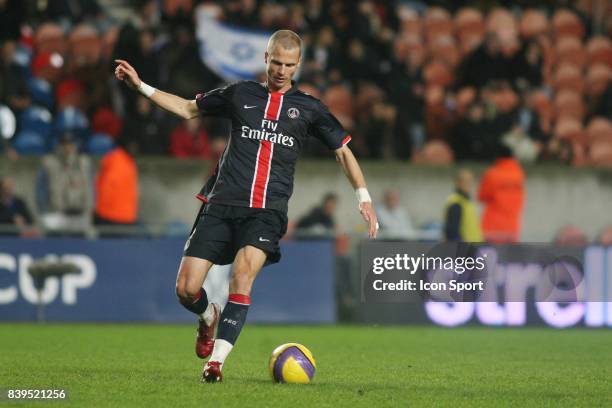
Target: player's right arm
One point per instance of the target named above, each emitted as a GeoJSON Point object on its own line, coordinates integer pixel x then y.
{"type": "Point", "coordinates": [184, 108]}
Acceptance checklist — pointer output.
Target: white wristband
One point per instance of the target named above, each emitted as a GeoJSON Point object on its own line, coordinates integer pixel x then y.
{"type": "Point", "coordinates": [362, 195]}
{"type": "Point", "coordinates": [146, 90]}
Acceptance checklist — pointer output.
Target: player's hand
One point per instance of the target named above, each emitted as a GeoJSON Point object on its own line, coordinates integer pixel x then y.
{"type": "Point", "coordinates": [126, 73]}
{"type": "Point", "coordinates": [368, 214]}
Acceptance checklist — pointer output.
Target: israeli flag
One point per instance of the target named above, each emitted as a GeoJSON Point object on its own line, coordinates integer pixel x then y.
{"type": "Point", "coordinates": [232, 53]}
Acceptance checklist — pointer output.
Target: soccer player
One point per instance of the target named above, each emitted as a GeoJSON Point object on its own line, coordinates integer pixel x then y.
{"type": "Point", "coordinates": [244, 210]}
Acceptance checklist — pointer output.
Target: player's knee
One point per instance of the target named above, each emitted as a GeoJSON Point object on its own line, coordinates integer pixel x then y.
{"type": "Point", "coordinates": [184, 291]}
{"type": "Point", "coordinates": [242, 281]}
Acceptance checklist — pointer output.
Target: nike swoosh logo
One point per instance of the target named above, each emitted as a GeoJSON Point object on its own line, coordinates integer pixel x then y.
{"type": "Point", "coordinates": [263, 239]}
{"type": "Point", "coordinates": [249, 107]}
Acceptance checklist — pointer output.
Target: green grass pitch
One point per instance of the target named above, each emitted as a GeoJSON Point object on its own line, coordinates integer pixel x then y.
{"type": "Point", "coordinates": [155, 365]}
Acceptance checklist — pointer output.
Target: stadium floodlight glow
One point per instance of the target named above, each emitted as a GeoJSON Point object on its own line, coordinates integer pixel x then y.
{"type": "Point", "coordinates": [8, 124]}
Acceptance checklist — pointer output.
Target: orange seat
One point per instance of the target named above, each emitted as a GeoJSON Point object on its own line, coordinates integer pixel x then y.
{"type": "Point", "coordinates": [533, 23]}
{"type": "Point", "coordinates": [567, 23]}
{"type": "Point", "coordinates": [569, 104]}
{"type": "Point", "coordinates": [597, 79]}
{"type": "Point", "coordinates": [339, 100]}
{"type": "Point", "coordinates": [85, 45]}
{"type": "Point", "coordinates": [505, 99]}
{"type": "Point", "coordinates": [571, 235]}
{"type": "Point", "coordinates": [599, 129]}
{"type": "Point", "coordinates": [568, 77]}
{"type": "Point", "coordinates": [569, 129]}
{"type": "Point", "coordinates": [469, 42]}
{"type": "Point", "coordinates": [600, 154]}
{"type": "Point", "coordinates": [109, 39]}
{"type": "Point", "coordinates": [443, 48]}
{"type": "Point", "coordinates": [410, 21]}
{"type": "Point", "coordinates": [309, 89]}
{"type": "Point", "coordinates": [465, 97]}
{"type": "Point", "coordinates": [599, 51]}
{"type": "Point", "coordinates": [501, 19]}
{"type": "Point", "coordinates": [437, 73]}
{"type": "Point", "coordinates": [469, 21]}
{"type": "Point", "coordinates": [49, 37]}
{"type": "Point", "coordinates": [569, 50]}
{"type": "Point", "coordinates": [173, 7]}
{"type": "Point", "coordinates": [435, 152]}
{"type": "Point", "coordinates": [605, 238]}
{"type": "Point", "coordinates": [437, 21]}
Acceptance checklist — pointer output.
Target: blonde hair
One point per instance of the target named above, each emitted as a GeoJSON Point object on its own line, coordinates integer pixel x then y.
{"type": "Point", "coordinates": [286, 39]}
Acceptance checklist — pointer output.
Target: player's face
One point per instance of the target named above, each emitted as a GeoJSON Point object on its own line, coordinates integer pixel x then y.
{"type": "Point", "coordinates": [281, 65]}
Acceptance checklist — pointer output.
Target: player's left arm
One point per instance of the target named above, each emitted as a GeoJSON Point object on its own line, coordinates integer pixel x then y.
{"type": "Point", "coordinates": [353, 172]}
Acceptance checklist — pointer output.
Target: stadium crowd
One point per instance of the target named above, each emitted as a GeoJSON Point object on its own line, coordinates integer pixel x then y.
{"type": "Point", "coordinates": [430, 81]}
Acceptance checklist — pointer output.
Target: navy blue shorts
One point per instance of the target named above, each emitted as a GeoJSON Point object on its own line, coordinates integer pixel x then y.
{"type": "Point", "coordinates": [221, 230]}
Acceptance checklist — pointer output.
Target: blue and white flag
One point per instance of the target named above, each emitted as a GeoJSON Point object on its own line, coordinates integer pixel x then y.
{"type": "Point", "coordinates": [232, 53]}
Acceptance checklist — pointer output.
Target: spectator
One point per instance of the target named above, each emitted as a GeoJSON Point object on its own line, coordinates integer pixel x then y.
{"type": "Point", "coordinates": [14, 212]}
{"type": "Point", "coordinates": [13, 86]}
{"type": "Point", "coordinates": [320, 220]}
{"type": "Point", "coordinates": [117, 186]}
{"type": "Point", "coordinates": [461, 217]}
{"type": "Point", "coordinates": [502, 191]}
{"type": "Point", "coordinates": [190, 140]}
{"type": "Point", "coordinates": [63, 189]}
{"type": "Point", "coordinates": [394, 221]}
{"type": "Point", "coordinates": [145, 128]}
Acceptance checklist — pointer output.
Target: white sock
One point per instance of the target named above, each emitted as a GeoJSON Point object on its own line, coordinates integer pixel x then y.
{"type": "Point", "coordinates": [221, 350]}
{"type": "Point", "coordinates": [208, 315]}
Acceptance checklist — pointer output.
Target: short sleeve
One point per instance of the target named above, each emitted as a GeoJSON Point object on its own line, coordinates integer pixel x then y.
{"type": "Point", "coordinates": [217, 102]}
{"type": "Point", "coordinates": [328, 129]}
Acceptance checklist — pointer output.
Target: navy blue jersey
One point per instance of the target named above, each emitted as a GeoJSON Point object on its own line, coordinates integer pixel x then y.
{"type": "Point", "coordinates": [268, 131]}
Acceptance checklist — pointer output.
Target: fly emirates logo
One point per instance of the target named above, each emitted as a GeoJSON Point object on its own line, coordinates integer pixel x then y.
{"type": "Point", "coordinates": [267, 132]}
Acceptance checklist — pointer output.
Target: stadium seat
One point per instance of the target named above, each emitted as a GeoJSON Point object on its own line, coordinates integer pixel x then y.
{"type": "Point", "coordinates": [597, 80]}
{"type": "Point", "coordinates": [600, 154]}
{"type": "Point", "coordinates": [469, 21]}
{"type": "Point", "coordinates": [599, 130]}
{"type": "Point", "coordinates": [339, 100]}
{"type": "Point", "coordinates": [443, 48]}
{"type": "Point", "coordinates": [41, 92]}
{"type": "Point", "coordinates": [435, 152]}
{"type": "Point", "coordinates": [49, 37]}
{"type": "Point", "coordinates": [437, 73]}
{"type": "Point", "coordinates": [437, 21]}
{"type": "Point", "coordinates": [464, 98]}
{"type": "Point", "coordinates": [85, 45]}
{"type": "Point", "coordinates": [605, 238]}
{"type": "Point", "coordinates": [469, 42]}
{"type": "Point", "coordinates": [501, 19]}
{"type": "Point", "coordinates": [533, 24]}
{"type": "Point", "coordinates": [106, 121]}
{"type": "Point", "coordinates": [569, 129]}
{"type": "Point", "coordinates": [100, 144]}
{"type": "Point", "coordinates": [505, 99]}
{"type": "Point", "coordinates": [27, 143]}
{"type": "Point", "coordinates": [571, 235]}
{"type": "Point", "coordinates": [567, 23]}
{"type": "Point", "coordinates": [416, 51]}
{"type": "Point", "coordinates": [410, 21]}
{"type": "Point", "coordinates": [569, 104]}
{"type": "Point", "coordinates": [568, 77]}
{"type": "Point", "coordinates": [309, 89]}
{"type": "Point", "coordinates": [73, 120]}
{"type": "Point", "coordinates": [599, 51]}
{"type": "Point", "coordinates": [569, 50]}
{"type": "Point", "coordinates": [109, 39]}
{"type": "Point", "coordinates": [37, 120]}
{"type": "Point", "coordinates": [174, 7]}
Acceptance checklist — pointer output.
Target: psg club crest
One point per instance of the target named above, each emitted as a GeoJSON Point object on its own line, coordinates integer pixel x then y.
{"type": "Point", "coordinates": [293, 113]}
